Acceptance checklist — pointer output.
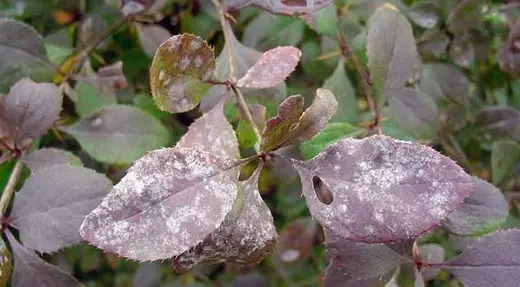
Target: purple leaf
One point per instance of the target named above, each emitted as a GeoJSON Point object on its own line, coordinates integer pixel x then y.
{"type": "Point", "coordinates": [391, 51]}
{"type": "Point", "coordinates": [118, 134]}
{"type": "Point", "coordinates": [359, 264]}
{"type": "Point", "coordinates": [109, 78]}
{"type": "Point", "coordinates": [150, 37]}
{"type": "Point", "coordinates": [295, 7]}
{"type": "Point", "coordinates": [292, 125]}
{"type": "Point", "coordinates": [169, 201]}
{"type": "Point", "coordinates": [440, 81]}
{"type": "Point", "coordinates": [212, 133]}
{"type": "Point", "coordinates": [378, 189]}
{"type": "Point", "coordinates": [431, 254]}
{"type": "Point", "coordinates": [30, 270]}
{"type": "Point", "coordinates": [28, 111]}
{"type": "Point", "coordinates": [180, 70]}
{"type": "Point", "coordinates": [272, 68]}
{"type": "Point", "coordinates": [499, 122]}
{"type": "Point", "coordinates": [47, 157]}
{"type": "Point", "coordinates": [483, 211]}
{"type": "Point", "coordinates": [53, 202]}
{"type": "Point", "coordinates": [492, 261]}
{"type": "Point", "coordinates": [246, 236]}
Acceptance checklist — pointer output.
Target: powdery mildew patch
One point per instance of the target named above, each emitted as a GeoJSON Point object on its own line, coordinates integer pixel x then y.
{"type": "Point", "coordinates": [383, 189]}
{"type": "Point", "coordinates": [170, 200]}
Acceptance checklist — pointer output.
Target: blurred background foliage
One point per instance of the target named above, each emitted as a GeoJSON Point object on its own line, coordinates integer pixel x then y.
{"type": "Point", "coordinates": [471, 67]}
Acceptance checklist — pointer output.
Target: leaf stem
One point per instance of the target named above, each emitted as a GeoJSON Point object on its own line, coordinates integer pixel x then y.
{"type": "Point", "coordinates": [363, 75]}
{"type": "Point", "coordinates": [247, 112]}
{"type": "Point", "coordinates": [10, 186]}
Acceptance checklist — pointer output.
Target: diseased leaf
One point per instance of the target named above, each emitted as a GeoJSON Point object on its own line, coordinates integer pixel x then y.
{"type": "Point", "coordinates": [118, 134]}
{"type": "Point", "coordinates": [339, 84]}
{"type": "Point", "coordinates": [280, 6]}
{"type": "Point", "coordinates": [359, 264]}
{"type": "Point", "coordinates": [179, 73]}
{"type": "Point", "coordinates": [53, 202]}
{"type": "Point", "coordinates": [246, 238]}
{"type": "Point", "coordinates": [6, 264]}
{"type": "Point", "coordinates": [292, 125]}
{"type": "Point", "coordinates": [414, 112]}
{"type": "Point", "coordinates": [505, 155]}
{"type": "Point", "coordinates": [332, 133]}
{"type": "Point", "coordinates": [109, 78]}
{"type": "Point", "coordinates": [483, 211]}
{"type": "Point", "coordinates": [150, 37]}
{"type": "Point", "coordinates": [169, 201]}
{"type": "Point", "coordinates": [372, 190]}
{"type": "Point", "coordinates": [28, 111]}
{"type": "Point", "coordinates": [431, 254]}
{"type": "Point", "coordinates": [501, 122]}
{"type": "Point", "coordinates": [391, 51]}
{"type": "Point", "coordinates": [23, 54]}
{"type": "Point", "coordinates": [212, 133]}
{"type": "Point", "coordinates": [296, 241]}
{"type": "Point", "coordinates": [492, 261]}
{"type": "Point", "coordinates": [30, 270]}
{"type": "Point", "coordinates": [47, 157]}
{"type": "Point", "coordinates": [272, 68]}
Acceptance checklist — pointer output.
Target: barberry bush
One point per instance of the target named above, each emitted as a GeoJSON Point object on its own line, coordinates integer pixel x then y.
{"type": "Point", "coordinates": [260, 143]}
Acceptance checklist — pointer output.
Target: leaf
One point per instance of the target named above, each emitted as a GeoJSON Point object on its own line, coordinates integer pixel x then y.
{"type": "Point", "coordinates": [332, 133]}
{"type": "Point", "coordinates": [324, 21]}
{"type": "Point", "coordinates": [425, 15]}
{"type": "Point", "coordinates": [147, 104]}
{"type": "Point", "coordinates": [292, 125]}
{"type": "Point", "coordinates": [169, 201]}
{"type": "Point", "coordinates": [272, 68]}
{"type": "Point", "coordinates": [359, 264]}
{"type": "Point", "coordinates": [280, 6]}
{"type": "Point", "coordinates": [431, 254]}
{"type": "Point", "coordinates": [6, 264]}
{"type": "Point", "coordinates": [212, 133]}
{"type": "Point", "coordinates": [415, 112]}
{"type": "Point", "coordinates": [109, 78]}
{"type": "Point", "coordinates": [339, 84]}
{"type": "Point", "coordinates": [483, 211]}
{"type": "Point", "coordinates": [492, 261]}
{"type": "Point", "coordinates": [464, 15]}
{"type": "Point", "coordinates": [372, 190]}
{"type": "Point", "coordinates": [391, 51]}
{"type": "Point", "coordinates": [442, 81]}
{"type": "Point", "coordinates": [118, 134]}
{"type": "Point", "coordinates": [296, 241]}
{"type": "Point", "coordinates": [91, 99]}
{"type": "Point", "coordinates": [148, 275]}
{"type": "Point", "coordinates": [150, 37]}
{"type": "Point", "coordinates": [22, 53]}
{"type": "Point", "coordinates": [53, 202]}
{"type": "Point", "coordinates": [245, 239]}
{"type": "Point", "coordinates": [268, 31]}
{"type": "Point", "coordinates": [179, 73]}
{"type": "Point", "coordinates": [505, 155]}
{"type": "Point", "coordinates": [48, 157]}
{"type": "Point", "coordinates": [28, 111]}
{"type": "Point", "coordinates": [499, 122]}
{"type": "Point", "coordinates": [433, 42]}
{"type": "Point", "coordinates": [30, 270]}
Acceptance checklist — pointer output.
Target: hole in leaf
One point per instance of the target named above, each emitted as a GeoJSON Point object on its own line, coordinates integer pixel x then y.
{"type": "Point", "coordinates": [322, 191]}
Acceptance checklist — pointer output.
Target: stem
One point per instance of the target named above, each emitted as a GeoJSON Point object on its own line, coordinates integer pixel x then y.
{"type": "Point", "coordinates": [363, 75]}
{"type": "Point", "coordinates": [247, 112]}
{"type": "Point", "coordinates": [10, 186]}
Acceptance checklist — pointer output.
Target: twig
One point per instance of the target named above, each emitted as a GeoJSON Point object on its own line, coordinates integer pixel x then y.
{"type": "Point", "coordinates": [226, 27]}
{"type": "Point", "coordinates": [363, 75]}
{"type": "Point", "coordinates": [10, 186]}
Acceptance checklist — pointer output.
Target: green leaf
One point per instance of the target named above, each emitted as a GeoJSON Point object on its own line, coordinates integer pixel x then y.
{"type": "Point", "coordinates": [91, 99]}
{"type": "Point", "coordinates": [179, 73]}
{"type": "Point", "coordinates": [147, 104]}
{"type": "Point", "coordinates": [118, 134]}
{"type": "Point", "coordinates": [332, 133]}
{"type": "Point", "coordinates": [392, 54]}
{"type": "Point", "coordinates": [339, 84]}
{"type": "Point", "coordinates": [325, 21]}
{"type": "Point", "coordinates": [505, 155]}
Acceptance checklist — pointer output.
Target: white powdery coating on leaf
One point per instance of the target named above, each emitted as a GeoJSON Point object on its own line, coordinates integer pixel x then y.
{"type": "Point", "coordinates": [169, 201]}
{"type": "Point", "coordinates": [383, 189]}
{"type": "Point", "coordinates": [272, 68]}
{"type": "Point", "coordinates": [213, 133]}
{"type": "Point", "coordinates": [246, 238]}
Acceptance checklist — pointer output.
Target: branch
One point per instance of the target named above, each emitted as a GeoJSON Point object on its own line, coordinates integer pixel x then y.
{"type": "Point", "coordinates": [10, 186]}
{"type": "Point", "coordinates": [226, 28]}
{"type": "Point", "coordinates": [363, 75]}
